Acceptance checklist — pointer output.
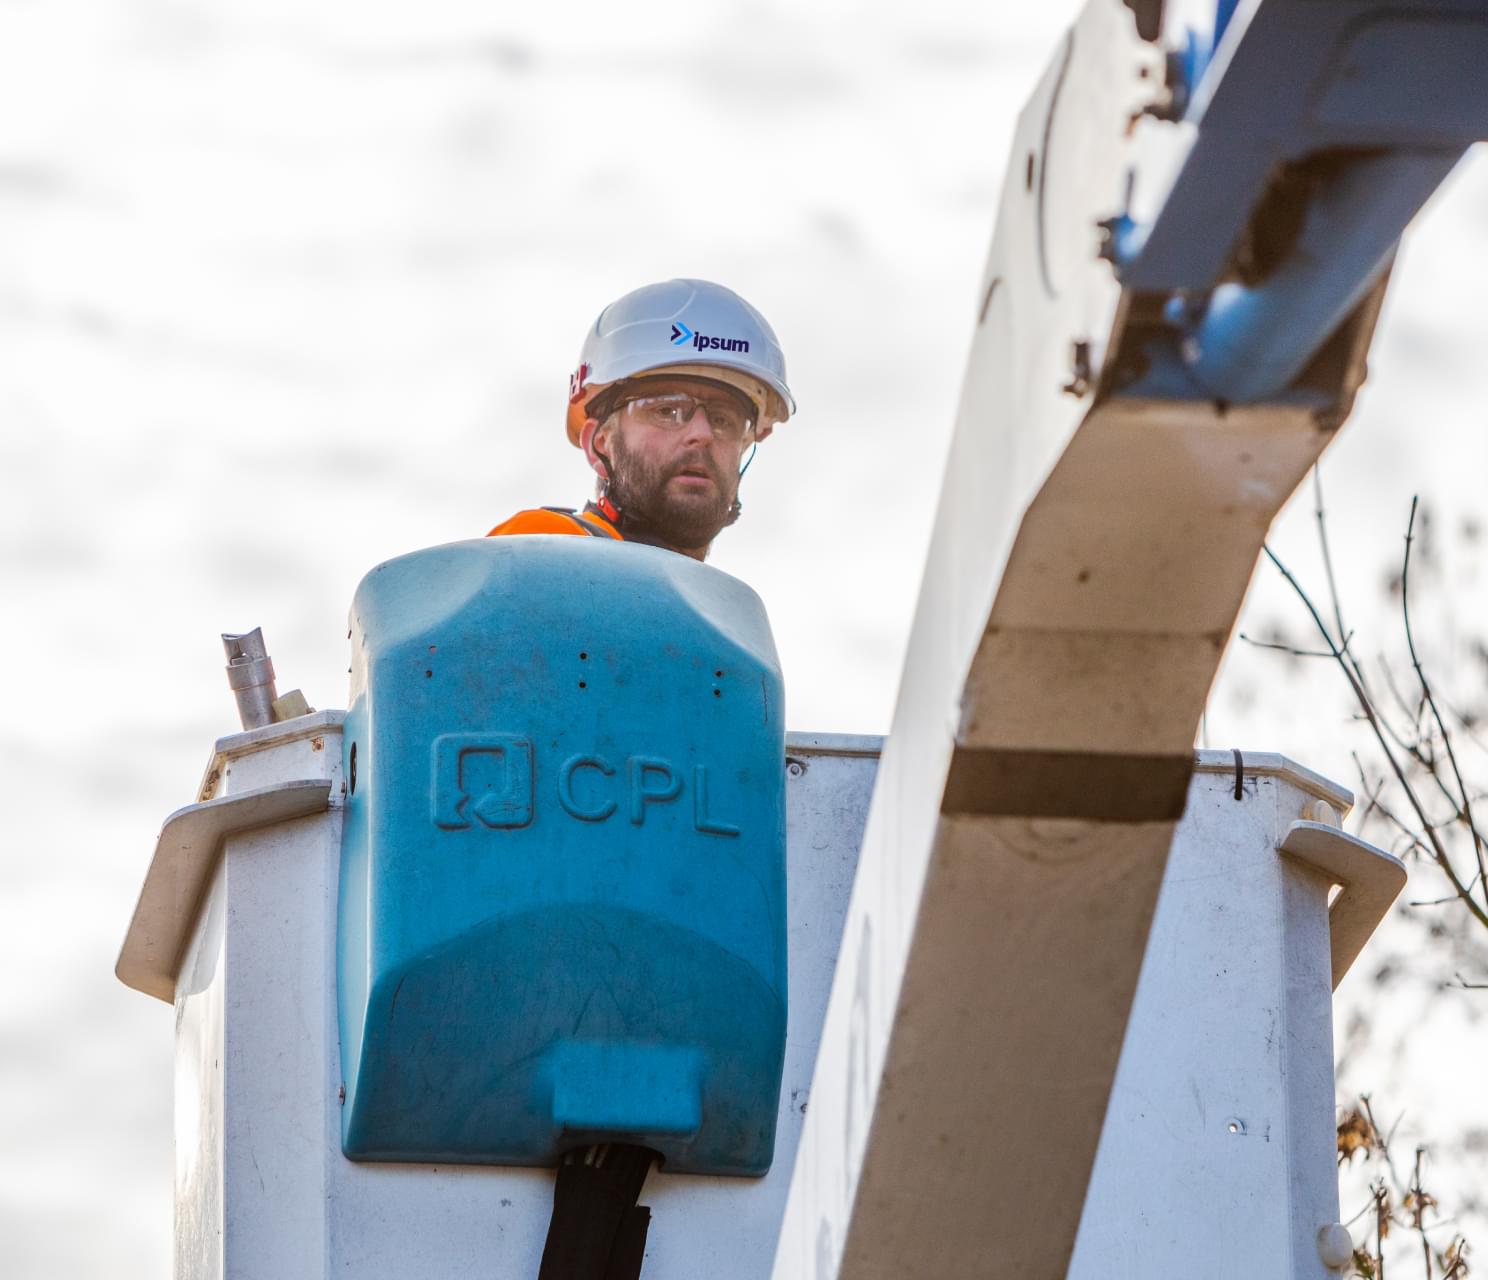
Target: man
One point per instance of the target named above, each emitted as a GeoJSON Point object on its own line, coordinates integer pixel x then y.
{"type": "Point", "coordinates": [676, 386]}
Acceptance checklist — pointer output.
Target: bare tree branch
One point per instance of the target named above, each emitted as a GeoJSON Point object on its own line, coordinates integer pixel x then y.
{"type": "Point", "coordinates": [1441, 725]}
{"type": "Point", "coordinates": [1322, 524]}
{"type": "Point", "coordinates": [1285, 648]}
{"type": "Point", "coordinates": [1438, 850]}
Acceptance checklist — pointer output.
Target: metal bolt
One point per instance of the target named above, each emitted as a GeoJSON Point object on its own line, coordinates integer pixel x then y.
{"type": "Point", "coordinates": [1335, 1246]}
{"type": "Point", "coordinates": [1079, 383]}
{"type": "Point", "coordinates": [1321, 811]}
{"type": "Point", "coordinates": [795, 769]}
{"type": "Point", "coordinates": [1173, 101]}
{"type": "Point", "coordinates": [1236, 1126]}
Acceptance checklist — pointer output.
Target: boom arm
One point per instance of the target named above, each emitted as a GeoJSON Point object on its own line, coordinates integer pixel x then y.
{"type": "Point", "coordinates": [1192, 246]}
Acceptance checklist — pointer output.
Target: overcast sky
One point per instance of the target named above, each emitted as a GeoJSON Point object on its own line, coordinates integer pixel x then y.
{"type": "Point", "coordinates": [287, 290]}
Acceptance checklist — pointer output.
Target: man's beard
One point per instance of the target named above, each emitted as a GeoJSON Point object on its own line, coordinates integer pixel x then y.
{"type": "Point", "coordinates": [690, 519]}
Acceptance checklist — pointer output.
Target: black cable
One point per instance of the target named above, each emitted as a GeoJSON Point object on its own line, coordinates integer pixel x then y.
{"type": "Point", "coordinates": [598, 1231]}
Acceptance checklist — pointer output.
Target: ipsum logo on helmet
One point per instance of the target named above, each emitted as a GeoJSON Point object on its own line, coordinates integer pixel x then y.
{"type": "Point", "coordinates": [681, 334]}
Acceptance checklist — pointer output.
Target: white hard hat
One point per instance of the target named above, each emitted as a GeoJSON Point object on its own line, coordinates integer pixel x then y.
{"type": "Point", "coordinates": [683, 328]}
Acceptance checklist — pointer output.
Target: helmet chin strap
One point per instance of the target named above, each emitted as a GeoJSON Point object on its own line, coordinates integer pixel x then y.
{"type": "Point", "coordinates": [606, 503]}
{"type": "Point", "coordinates": [633, 525]}
{"type": "Point", "coordinates": [609, 470]}
{"type": "Point", "coordinates": [736, 507]}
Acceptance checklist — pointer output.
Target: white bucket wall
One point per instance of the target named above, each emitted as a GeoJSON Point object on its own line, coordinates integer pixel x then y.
{"type": "Point", "coordinates": [1216, 1157]}
{"type": "Point", "coordinates": [262, 1189]}
{"type": "Point", "coordinates": [1217, 1153]}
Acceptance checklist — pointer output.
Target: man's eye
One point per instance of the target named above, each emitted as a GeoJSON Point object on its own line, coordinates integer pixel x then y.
{"type": "Point", "coordinates": [667, 412]}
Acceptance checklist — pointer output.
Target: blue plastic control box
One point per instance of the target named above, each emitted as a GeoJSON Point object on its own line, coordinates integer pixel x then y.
{"type": "Point", "coordinates": [562, 907]}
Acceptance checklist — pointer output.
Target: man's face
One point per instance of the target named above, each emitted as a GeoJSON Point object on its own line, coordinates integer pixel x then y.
{"type": "Point", "coordinates": [677, 470]}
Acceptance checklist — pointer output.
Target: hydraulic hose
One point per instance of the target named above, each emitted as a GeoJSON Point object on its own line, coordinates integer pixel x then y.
{"type": "Point", "coordinates": [598, 1231]}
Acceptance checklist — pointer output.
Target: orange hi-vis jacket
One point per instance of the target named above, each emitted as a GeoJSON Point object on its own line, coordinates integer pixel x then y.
{"type": "Point", "coordinates": [591, 522]}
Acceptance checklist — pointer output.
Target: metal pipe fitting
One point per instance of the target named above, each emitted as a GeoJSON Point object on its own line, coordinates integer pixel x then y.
{"type": "Point", "coordinates": [250, 675]}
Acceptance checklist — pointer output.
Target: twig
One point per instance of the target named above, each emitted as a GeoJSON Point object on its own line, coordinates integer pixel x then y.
{"type": "Point", "coordinates": [1439, 853]}
{"type": "Point", "coordinates": [1420, 708]}
{"type": "Point", "coordinates": [1465, 723]}
{"type": "Point", "coordinates": [1376, 805]}
{"type": "Point", "coordinates": [1418, 1199]}
{"type": "Point", "coordinates": [1322, 524]}
{"type": "Point", "coordinates": [1410, 642]}
{"type": "Point", "coordinates": [1285, 648]}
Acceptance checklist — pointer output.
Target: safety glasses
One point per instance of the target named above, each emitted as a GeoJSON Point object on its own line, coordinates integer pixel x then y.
{"type": "Point", "coordinates": [673, 410]}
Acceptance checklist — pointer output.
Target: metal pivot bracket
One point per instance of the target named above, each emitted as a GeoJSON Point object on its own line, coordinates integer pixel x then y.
{"type": "Point", "coordinates": [1369, 880]}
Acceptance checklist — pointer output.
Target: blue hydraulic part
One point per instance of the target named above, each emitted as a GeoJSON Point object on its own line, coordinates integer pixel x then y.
{"type": "Point", "coordinates": [1351, 224]}
{"type": "Point", "coordinates": [1322, 128]}
{"type": "Point", "coordinates": [1224, 10]}
{"type": "Point", "coordinates": [562, 907]}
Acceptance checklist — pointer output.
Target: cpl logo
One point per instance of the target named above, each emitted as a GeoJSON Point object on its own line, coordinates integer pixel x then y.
{"type": "Point", "coordinates": [489, 780]}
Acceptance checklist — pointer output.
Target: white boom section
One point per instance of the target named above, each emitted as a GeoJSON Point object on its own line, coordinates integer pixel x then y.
{"type": "Point", "coordinates": [1087, 564]}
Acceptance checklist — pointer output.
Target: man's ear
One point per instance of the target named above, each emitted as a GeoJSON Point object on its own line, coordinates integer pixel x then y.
{"type": "Point", "coordinates": [594, 433]}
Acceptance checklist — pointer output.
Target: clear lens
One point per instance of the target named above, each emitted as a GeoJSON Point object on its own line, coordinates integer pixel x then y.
{"type": "Point", "coordinates": [728, 418]}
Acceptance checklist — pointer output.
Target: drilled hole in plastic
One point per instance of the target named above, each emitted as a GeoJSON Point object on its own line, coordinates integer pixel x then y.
{"type": "Point", "coordinates": [351, 768]}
